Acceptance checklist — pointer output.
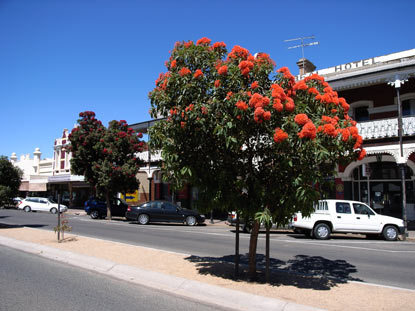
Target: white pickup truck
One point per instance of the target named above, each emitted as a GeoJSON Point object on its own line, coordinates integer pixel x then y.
{"type": "Point", "coordinates": [346, 217]}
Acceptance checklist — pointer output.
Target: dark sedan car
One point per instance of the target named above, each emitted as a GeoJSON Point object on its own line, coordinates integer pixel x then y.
{"type": "Point", "coordinates": [161, 211]}
{"type": "Point", "coordinates": [97, 208]}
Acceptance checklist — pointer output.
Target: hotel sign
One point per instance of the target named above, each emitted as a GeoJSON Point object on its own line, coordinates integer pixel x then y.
{"type": "Point", "coordinates": [352, 65]}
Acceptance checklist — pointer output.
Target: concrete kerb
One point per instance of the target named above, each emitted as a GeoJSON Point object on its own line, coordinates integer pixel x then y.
{"type": "Point", "coordinates": [215, 295]}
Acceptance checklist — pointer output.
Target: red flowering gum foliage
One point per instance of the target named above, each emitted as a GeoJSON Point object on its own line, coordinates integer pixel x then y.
{"type": "Point", "coordinates": [188, 44]}
{"type": "Point", "coordinates": [203, 41]}
{"type": "Point", "coordinates": [198, 74]}
{"type": "Point", "coordinates": [330, 130]}
{"type": "Point", "coordinates": [238, 52]}
{"type": "Point", "coordinates": [218, 45]}
{"type": "Point", "coordinates": [289, 104]}
{"type": "Point", "coordinates": [223, 70]}
{"type": "Point", "coordinates": [309, 131]}
{"type": "Point", "coordinates": [278, 92]}
{"type": "Point", "coordinates": [362, 154]}
{"type": "Point", "coordinates": [280, 135]}
{"type": "Point", "coordinates": [217, 83]}
{"type": "Point", "coordinates": [184, 71]}
{"type": "Point", "coordinates": [300, 85]}
{"type": "Point", "coordinates": [245, 66]}
{"type": "Point", "coordinates": [241, 105]}
{"type": "Point", "coordinates": [301, 119]}
{"type": "Point", "coordinates": [254, 85]}
{"type": "Point", "coordinates": [287, 74]}
{"type": "Point", "coordinates": [263, 58]}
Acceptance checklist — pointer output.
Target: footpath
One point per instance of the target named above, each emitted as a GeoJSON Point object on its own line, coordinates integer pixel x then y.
{"type": "Point", "coordinates": [205, 280]}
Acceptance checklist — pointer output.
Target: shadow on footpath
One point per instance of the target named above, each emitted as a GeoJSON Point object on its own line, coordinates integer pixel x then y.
{"type": "Point", "coordinates": [313, 272]}
{"type": "Point", "coordinates": [7, 226]}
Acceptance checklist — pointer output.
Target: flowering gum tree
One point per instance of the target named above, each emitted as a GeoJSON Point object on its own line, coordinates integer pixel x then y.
{"type": "Point", "coordinates": [250, 138]}
{"type": "Point", "coordinates": [105, 156]}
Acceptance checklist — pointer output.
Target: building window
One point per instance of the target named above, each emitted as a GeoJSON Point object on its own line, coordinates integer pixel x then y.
{"type": "Point", "coordinates": [408, 107]}
{"type": "Point", "coordinates": [361, 114]}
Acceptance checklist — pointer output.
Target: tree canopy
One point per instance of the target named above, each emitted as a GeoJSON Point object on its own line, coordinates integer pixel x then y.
{"type": "Point", "coordinates": [10, 180]}
{"type": "Point", "coordinates": [105, 156]}
{"type": "Point", "coordinates": [247, 136]}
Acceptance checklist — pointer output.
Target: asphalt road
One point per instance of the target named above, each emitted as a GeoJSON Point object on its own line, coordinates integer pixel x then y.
{"type": "Point", "coordinates": [29, 282]}
{"type": "Point", "coordinates": [343, 257]}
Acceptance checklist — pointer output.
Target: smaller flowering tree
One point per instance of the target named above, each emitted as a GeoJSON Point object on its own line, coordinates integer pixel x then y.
{"type": "Point", "coordinates": [250, 138]}
{"type": "Point", "coordinates": [106, 156]}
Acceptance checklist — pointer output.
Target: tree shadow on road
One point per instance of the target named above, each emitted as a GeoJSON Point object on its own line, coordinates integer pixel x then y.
{"type": "Point", "coordinates": [7, 226]}
{"type": "Point", "coordinates": [313, 272]}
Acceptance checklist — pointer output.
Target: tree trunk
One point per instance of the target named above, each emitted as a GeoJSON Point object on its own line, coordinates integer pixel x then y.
{"type": "Point", "coordinates": [267, 274]}
{"type": "Point", "coordinates": [236, 273]}
{"type": "Point", "coordinates": [107, 197]}
{"type": "Point", "coordinates": [252, 251]}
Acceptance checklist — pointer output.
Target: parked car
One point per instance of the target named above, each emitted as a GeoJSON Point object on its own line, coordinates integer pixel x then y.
{"type": "Point", "coordinates": [41, 204]}
{"type": "Point", "coordinates": [97, 208]}
{"type": "Point", "coordinates": [343, 216]}
{"type": "Point", "coordinates": [162, 211]}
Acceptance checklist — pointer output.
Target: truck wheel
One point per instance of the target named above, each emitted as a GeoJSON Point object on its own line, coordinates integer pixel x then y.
{"type": "Point", "coordinates": [390, 233]}
{"type": "Point", "coordinates": [322, 232]}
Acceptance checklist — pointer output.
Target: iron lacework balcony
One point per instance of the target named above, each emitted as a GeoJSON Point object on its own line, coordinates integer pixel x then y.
{"type": "Point", "coordinates": [386, 128]}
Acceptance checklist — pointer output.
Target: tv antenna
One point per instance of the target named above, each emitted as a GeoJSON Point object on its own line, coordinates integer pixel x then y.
{"type": "Point", "coordinates": [302, 45]}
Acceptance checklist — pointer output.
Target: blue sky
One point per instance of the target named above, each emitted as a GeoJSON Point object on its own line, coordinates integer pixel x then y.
{"type": "Point", "coordinates": [61, 57]}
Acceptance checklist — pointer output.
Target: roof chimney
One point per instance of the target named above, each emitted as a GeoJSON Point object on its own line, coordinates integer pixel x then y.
{"type": "Point", "coordinates": [305, 66]}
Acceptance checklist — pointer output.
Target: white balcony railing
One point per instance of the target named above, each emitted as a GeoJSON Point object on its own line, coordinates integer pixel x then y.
{"type": "Point", "coordinates": [156, 156]}
{"type": "Point", "coordinates": [386, 128]}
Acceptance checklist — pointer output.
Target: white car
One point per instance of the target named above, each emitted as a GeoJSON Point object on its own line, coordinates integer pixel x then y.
{"type": "Point", "coordinates": [346, 217]}
{"type": "Point", "coordinates": [41, 204]}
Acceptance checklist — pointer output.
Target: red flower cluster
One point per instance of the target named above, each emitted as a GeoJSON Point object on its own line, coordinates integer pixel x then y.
{"type": "Point", "coordinates": [173, 64]}
{"type": "Point", "coordinates": [263, 58]}
{"type": "Point", "coordinates": [257, 100]}
{"type": "Point", "coordinates": [301, 119]}
{"type": "Point", "coordinates": [122, 134]}
{"type": "Point", "coordinates": [300, 85]}
{"type": "Point", "coordinates": [203, 41]}
{"type": "Point", "coordinates": [238, 52]}
{"type": "Point", "coordinates": [280, 135]}
{"type": "Point", "coordinates": [229, 95]}
{"type": "Point", "coordinates": [287, 74]}
{"type": "Point", "coordinates": [254, 85]}
{"type": "Point", "coordinates": [188, 44]}
{"type": "Point", "coordinates": [362, 154]}
{"type": "Point", "coordinates": [217, 83]}
{"type": "Point", "coordinates": [189, 108]}
{"type": "Point", "coordinates": [261, 115]}
{"type": "Point", "coordinates": [289, 104]}
{"type": "Point", "coordinates": [223, 70]}
{"type": "Point", "coordinates": [277, 92]}
{"type": "Point", "coordinates": [309, 131]}
{"type": "Point", "coordinates": [198, 74]}
{"type": "Point", "coordinates": [218, 45]}
{"type": "Point", "coordinates": [241, 105]}
{"type": "Point", "coordinates": [184, 71]}
{"type": "Point", "coordinates": [245, 66]}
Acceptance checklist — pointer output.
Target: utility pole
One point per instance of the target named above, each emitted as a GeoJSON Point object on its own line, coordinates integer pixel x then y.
{"type": "Point", "coordinates": [397, 82]}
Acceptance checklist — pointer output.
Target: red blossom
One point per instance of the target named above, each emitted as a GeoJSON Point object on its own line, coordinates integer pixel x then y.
{"type": "Point", "coordinates": [308, 131]}
{"type": "Point", "coordinates": [238, 52]}
{"type": "Point", "coordinates": [301, 119]}
{"type": "Point", "coordinates": [188, 44]}
{"type": "Point", "coordinates": [278, 105]}
{"type": "Point", "coordinates": [300, 85]}
{"type": "Point", "coordinates": [254, 85]}
{"type": "Point", "coordinates": [280, 135]}
{"type": "Point", "coordinates": [289, 104]}
{"type": "Point", "coordinates": [198, 74]}
{"type": "Point", "coordinates": [241, 105]}
{"type": "Point", "coordinates": [217, 83]}
{"type": "Point", "coordinates": [223, 70]}
{"type": "Point", "coordinates": [245, 66]}
{"type": "Point", "coordinates": [184, 71]}
{"type": "Point", "coordinates": [173, 64]}
{"type": "Point", "coordinates": [229, 95]}
{"type": "Point", "coordinates": [362, 154]}
{"type": "Point", "coordinates": [217, 45]}
{"type": "Point", "coordinates": [203, 41]}
{"type": "Point", "coordinates": [330, 130]}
